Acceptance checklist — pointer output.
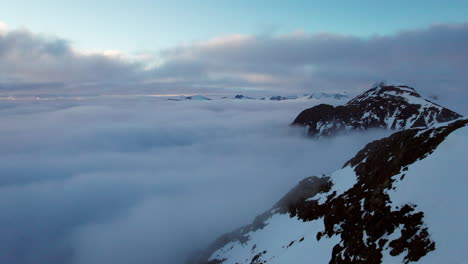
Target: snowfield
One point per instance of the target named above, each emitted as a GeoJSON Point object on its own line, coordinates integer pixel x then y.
{"type": "Point", "coordinates": [283, 240]}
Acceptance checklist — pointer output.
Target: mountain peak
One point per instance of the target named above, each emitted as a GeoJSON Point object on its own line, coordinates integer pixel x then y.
{"type": "Point", "coordinates": [394, 107]}
{"type": "Point", "coordinates": [383, 90]}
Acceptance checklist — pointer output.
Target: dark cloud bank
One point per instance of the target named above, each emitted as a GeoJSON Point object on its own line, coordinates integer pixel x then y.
{"type": "Point", "coordinates": [146, 181]}
{"type": "Point", "coordinates": [434, 60]}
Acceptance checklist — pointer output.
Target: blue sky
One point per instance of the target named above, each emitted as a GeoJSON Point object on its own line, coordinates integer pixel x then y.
{"type": "Point", "coordinates": [143, 25]}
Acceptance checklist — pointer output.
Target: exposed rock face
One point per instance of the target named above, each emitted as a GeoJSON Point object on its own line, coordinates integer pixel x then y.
{"type": "Point", "coordinates": [384, 106]}
{"type": "Point", "coordinates": [357, 220]}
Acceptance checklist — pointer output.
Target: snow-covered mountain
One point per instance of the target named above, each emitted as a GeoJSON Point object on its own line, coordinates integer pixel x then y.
{"type": "Point", "coordinates": [339, 96]}
{"type": "Point", "coordinates": [321, 95]}
{"type": "Point", "coordinates": [192, 97]}
{"type": "Point", "coordinates": [197, 97]}
{"type": "Point", "coordinates": [401, 199]}
{"type": "Point", "coordinates": [280, 98]}
{"type": "Point", "coordinates": [383, 106]}
{"type": "Point", "coordinates": [241, 96]}
{"type": "Point", "coordinates": [316, 96]}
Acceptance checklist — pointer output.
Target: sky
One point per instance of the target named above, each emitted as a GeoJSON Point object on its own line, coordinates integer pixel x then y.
{"type": "Point", "coordinates": [148, 25]}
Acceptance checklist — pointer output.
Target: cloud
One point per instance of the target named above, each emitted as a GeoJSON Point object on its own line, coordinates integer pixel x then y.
{"type": "Point", "coordinates": [435, 55]}
{"type": "Point", "coordinates": [146, 180]}
{"type": "Point", "coordinates": [434, 60]}
{"type": "Point", "coordinates": [26, 57]}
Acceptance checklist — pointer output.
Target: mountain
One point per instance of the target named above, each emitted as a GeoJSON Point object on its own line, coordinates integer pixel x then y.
{"type": "Point", "coordinates": [383, 106]}
{"type": "Point", "coordinates": [197, 97]}
{"type": "Point", "coordinates": [327, 95]}
{"type": "Point", "coordinates": [400, 199]}
{"type": "Point", "coordinates": [192, 97]}
{"type": "Point", "coordinates": [281, 98]}
{"type": "Point", "coordinates": [318, 96]}
{"type": "Point", "coordinates": [240, 96]}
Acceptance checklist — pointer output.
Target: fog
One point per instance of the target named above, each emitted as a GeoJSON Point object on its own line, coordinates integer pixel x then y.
{"type": "Point", "coordinates": [144, 180]}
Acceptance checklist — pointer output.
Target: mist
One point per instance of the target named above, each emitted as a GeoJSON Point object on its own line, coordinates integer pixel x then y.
{"type": "Point", "coordinates": [142, 180]}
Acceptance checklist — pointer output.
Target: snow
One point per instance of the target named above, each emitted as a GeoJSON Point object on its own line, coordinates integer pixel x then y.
{"type": "Point", "coordinates": [387, 258]}
{"type": "Point", "coordinates": [275, 238]}
{"type": "Point", "coordinates": [437, 185]}
{"type": "Point", "coordinates": [390, 120]}
{"type": "Point", "coordinates": [343, 180]}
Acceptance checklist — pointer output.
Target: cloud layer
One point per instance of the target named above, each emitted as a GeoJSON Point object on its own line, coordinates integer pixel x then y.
{"type": "Point", "coordinates": [146, 181]}
{"type": "Point", "coordinates": [434, 60]}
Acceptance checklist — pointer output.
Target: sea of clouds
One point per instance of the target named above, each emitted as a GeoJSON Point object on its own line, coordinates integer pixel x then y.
{"type": "Point", "coordinates": [146, 180]}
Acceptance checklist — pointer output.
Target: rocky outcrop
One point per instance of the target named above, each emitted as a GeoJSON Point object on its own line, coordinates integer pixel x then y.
{"type": "Point", "coordinates": [384, 106]}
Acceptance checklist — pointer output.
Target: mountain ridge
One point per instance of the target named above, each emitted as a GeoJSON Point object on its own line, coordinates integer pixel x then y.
{"type": "Point", "coordinates": [355, 220]}
{"type": "Point", "coordinates": [383, 106]}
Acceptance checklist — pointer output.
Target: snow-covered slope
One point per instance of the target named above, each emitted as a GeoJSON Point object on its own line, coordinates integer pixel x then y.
{"type": "Point", "coordinates": [384, 106]}
{"type": "Point", "coordinates": [401, 199]}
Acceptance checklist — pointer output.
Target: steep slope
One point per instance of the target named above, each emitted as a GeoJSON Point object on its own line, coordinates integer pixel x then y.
{"type": "Point", "coordinates": [384, 106]}
{"type": "Point", "coordinates": [399, 200]}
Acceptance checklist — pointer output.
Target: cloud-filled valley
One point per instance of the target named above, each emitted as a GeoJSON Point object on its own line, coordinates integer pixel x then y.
{"type": "Point", "coordinates": [147, 180]}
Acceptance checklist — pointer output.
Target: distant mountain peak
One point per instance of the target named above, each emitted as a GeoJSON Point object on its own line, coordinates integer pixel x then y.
{"type": "Point", "coordinates": [321, 95]}
{"type": "Point", "coordinates": [385, 90]}
{"type": "Point", "coordinates": [197, 97]}
{"type": "Point", "coordinates": [241, 96]}
{"type": "Point", "coordinates": [383, 106]}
